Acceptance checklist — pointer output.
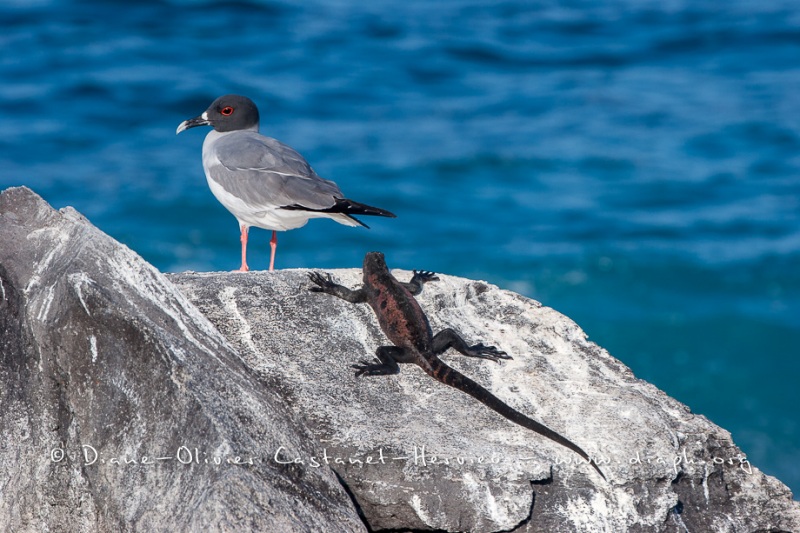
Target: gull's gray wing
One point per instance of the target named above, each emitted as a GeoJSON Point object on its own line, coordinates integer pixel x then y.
{"type": "Point", "coordinates": [263, 171]}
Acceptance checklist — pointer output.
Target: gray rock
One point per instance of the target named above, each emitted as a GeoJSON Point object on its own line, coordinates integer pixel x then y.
{"type": "Point", "coordinates": [416, 454]}
{"type": "Point", "coordinates": [103, 363]}
{"type": "Point", "coordinates": [101, 353]}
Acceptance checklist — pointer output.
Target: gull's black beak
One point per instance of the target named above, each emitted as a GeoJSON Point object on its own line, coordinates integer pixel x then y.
{"type": "Point", "coordinates": [202, 120]}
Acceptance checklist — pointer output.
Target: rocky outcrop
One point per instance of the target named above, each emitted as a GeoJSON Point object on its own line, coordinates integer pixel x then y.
{"type": "Point", "coordinates": [121, 388]}
{"type": "Point", "coordinates": [417, 454]}
{"type": "Point", "coordinates": [118, 399]}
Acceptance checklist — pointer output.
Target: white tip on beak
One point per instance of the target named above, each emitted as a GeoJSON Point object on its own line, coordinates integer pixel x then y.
{"type": "Point", "coordinates": [202, 120]}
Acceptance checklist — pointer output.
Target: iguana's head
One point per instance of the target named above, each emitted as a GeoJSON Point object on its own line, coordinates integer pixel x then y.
{"type": "Point", "coordinates": [373, 263]}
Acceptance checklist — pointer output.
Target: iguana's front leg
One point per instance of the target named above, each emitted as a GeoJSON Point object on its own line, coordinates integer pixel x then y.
{"type": "Point", "coordinates": [448, 338]}
{"type": "Point", "coordinates": [420, 278]}
{"type": "Point", "coordinates": [326, 284]}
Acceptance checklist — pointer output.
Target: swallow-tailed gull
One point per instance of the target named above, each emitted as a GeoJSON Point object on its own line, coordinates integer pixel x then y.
{"type": "Point", "coordinates": [263, 182]}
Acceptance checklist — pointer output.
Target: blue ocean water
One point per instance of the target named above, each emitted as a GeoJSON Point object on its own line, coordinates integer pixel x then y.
{"type": "Point", "coordinates": [631, 163]}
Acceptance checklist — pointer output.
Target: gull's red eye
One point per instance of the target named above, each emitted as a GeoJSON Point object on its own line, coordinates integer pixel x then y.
{"type": "Point", "coordinates": [227, 111]}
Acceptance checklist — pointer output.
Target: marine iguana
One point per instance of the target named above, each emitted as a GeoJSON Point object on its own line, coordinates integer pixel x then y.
{"type": "Point", "coordinates": [405, 324]}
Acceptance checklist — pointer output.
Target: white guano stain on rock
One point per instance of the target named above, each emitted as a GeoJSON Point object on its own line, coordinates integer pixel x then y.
{"type": "Point", "coordinates": [79, 280]}
{"type": "Point", "coordinates": [45, 303]}
{"type": "Point", "coordinates": [227, 297]}
{"type": "Point", "coordinates": [93, 347]}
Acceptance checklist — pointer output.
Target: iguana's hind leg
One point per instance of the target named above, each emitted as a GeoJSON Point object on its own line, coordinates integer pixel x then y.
{"type": "Point", "coordinates": [448, 338]}
{"type": "Point", "coordinates": [388, 356]}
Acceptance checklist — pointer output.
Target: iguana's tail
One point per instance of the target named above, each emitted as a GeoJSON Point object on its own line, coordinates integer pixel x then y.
{"type": "Point", "coordinates": [450, 376]}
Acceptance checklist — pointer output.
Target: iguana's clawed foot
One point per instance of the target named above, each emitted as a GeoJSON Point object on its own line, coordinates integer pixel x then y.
{"type": "Point", "coordinates": [324, 282]}
{"type": "Point", "coordinates": [424, 276]}
{"type": "Point", "coordinates": [420, 278]}
{"type": "Point", "coordinates": [487, 352]}
{"type": "Point", "coordinates": [367, 368]}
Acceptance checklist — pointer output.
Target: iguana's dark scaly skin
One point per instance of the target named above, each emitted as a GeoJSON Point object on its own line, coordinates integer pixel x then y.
{"type": "Point", "coordinates": [402, 320]}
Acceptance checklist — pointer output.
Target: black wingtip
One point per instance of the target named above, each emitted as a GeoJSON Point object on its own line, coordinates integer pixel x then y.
{"type": "Point", "coordinates": [349, 207]}
{"type": "Point", "coordinates": [346, 207]}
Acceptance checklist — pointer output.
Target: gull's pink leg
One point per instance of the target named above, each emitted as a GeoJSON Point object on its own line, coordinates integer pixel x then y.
{"type": "Point", "coordinates": [273, 244]}
{"type": "Point", "coordinates": [244, 267]}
